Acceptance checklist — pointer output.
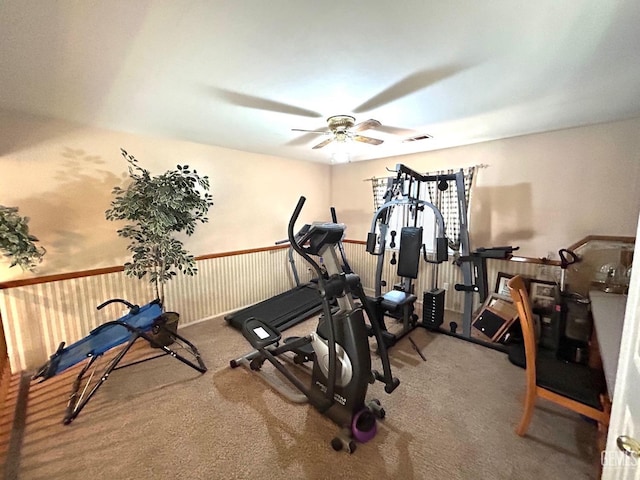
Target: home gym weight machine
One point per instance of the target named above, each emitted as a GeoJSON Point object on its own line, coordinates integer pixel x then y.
{"type": "Point", "coordinates": [406, 190]}
{"type": "Point", "coordinates": [338, 349]}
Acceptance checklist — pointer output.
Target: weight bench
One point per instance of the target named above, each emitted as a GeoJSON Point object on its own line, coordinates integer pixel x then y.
{"type": "Point", "coordinates": [141, 322]}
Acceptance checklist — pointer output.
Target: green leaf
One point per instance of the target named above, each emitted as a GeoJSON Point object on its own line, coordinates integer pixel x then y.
{"type": "Point", "coordinates": [158, 207]}
{"type": "Point", "coordinates": [16, 242]}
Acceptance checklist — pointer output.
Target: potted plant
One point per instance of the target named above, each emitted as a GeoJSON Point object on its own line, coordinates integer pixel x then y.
{"type": "Point", "coordinates": [159, 207]}
{"type": "Point", "coordinates": [15, 240]}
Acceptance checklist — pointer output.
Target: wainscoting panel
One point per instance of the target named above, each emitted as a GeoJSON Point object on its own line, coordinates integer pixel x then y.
{"type": "Point", "coordinates": [225, 284]}
{"type": "Point", "coordinates": [37, 318]}
{"type": "Point", "coordinates": [364, 264]}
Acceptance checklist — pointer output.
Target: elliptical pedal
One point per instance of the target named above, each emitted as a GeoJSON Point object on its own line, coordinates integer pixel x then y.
{"type": "Point", "coordinates": [303, 354]}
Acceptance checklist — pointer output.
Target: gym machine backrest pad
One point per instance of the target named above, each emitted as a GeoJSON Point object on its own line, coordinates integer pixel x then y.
{"type": "Point", "coordinates": [409, 251]}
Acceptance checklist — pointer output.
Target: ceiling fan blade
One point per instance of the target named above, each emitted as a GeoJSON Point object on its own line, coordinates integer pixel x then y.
{"type": "Point", "coordinates": [369, 140]}
{"type": "Point", "coordinates": [324, 143]}
{"type": "Point", "coordinates": [310, 131]}
{"type": "Point", "coordinates": [408, 85]}
{"type": "Point", "coordinates": [303, 139]}
{"type": "Point", "coordinates": [250, 101]}
{"type": "Point", "coordinates": [391, 130]}
{"type": "Point", "coordinates": [366, 125]}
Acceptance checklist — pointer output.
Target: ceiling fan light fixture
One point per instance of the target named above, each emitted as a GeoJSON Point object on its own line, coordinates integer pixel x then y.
{"type": "Point", "coordinates": [342, 130]}
{"type": "Point", "coordinates": [342, 137]}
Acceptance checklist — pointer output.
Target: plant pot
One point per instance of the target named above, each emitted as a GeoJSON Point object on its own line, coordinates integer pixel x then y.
{"type": "Point", "coordinates": [162, 335]}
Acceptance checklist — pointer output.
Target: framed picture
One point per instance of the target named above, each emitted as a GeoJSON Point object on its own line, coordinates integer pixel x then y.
{"type": "Point", "coordinates": [501, 283]}
{"type": "Point", "coordinates": [495, 317]}
{"type": "Point", "coordinates": [542, 294]}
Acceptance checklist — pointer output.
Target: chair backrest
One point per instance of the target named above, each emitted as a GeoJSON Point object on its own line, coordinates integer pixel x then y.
{"type": "Point", "coordinates": [520, 297]}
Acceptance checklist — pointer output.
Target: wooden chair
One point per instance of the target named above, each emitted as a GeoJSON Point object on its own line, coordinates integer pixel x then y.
{"type": "Point", "coordinates": [571, 385]}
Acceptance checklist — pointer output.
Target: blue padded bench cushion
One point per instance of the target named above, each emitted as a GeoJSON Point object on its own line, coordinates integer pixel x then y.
{"type": "Point", "coordinates": [100, 340]}
{"type": "Point", "coordinates": [394, 299]}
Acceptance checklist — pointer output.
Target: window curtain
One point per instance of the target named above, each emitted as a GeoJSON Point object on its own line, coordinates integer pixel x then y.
{"type": "Point", "coordinates": [380, 187]}
{"type": "Point", "coordinates": [447, 202]}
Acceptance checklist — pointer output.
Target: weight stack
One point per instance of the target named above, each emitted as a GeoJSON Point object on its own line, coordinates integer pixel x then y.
{"type": "Point", "coordinates": [433, 308]}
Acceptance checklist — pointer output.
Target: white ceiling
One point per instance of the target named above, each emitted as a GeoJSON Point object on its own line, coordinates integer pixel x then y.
{"type": "Point", "coordinates": [241, 74]}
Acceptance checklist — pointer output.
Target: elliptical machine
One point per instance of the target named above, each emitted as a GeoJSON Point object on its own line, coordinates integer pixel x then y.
{"type": "Point", "coordinates": [338, 349]}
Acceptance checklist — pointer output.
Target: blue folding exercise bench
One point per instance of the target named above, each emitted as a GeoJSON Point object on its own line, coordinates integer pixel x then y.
{"type": "Point", "coordinates": [140, 322]}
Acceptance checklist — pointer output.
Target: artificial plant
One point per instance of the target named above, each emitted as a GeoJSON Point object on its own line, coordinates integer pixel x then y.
{"type": "Point", "coordinates": [158, 208]}
{"type": "Point", "coordinates": [15, 240]}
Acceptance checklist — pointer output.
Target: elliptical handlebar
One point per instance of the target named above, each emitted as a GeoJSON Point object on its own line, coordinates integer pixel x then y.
{"type": "Point", "coordinates": [345, 262]}
{"type": "Point", "coordinates": [294, 218]}
{"type": "Point", "coordinates": [297, 243]}
{"type": "Point", "coordinates": [312, 240]}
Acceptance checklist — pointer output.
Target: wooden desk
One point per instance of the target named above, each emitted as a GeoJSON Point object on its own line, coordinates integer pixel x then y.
{"type": "Point", "coordinates": [608, 310]}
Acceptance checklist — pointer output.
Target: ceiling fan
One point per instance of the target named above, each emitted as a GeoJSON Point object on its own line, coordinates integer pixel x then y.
{"type": "Point", "coordinates": [343, 128]}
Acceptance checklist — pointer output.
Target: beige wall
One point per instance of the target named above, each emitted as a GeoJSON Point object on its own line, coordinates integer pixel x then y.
{"type": "Point", "coordinates": [61, 176]}
{"type": "Point", "coordinates": [542, 192]}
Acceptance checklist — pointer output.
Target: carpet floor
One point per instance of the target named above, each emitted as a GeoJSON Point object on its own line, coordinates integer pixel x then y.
{"type": "Point", "coordinates": [452, 417]}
